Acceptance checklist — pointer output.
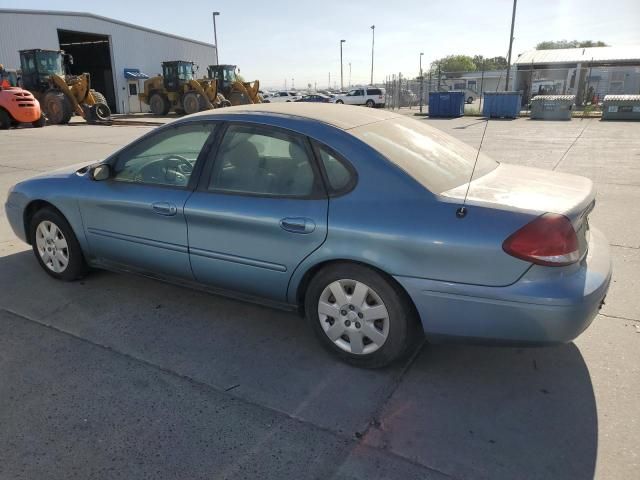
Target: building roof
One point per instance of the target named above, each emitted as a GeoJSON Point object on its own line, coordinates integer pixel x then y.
{"type": "Point", "coordinates": [627, 54]}
{"type": "Point", "coordinates": [341, 116]}
{"type": "Point", "coordinates": [99, 17]}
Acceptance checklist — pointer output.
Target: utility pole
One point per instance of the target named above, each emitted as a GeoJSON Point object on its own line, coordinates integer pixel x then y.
{"type": "Point", "coordinates": [421, 82]}
{"type": "Point", "coordinates": [215, 36]}
{"type": "Point", "coordinates": [341, 77]}
{"type": "Point", "coordinates": [373, 42]}
{"type": "Point", "coordinates": [513, 21]}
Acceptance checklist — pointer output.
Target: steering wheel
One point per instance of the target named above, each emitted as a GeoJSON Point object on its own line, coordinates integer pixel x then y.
{"type": "Point", "coordinates": [182, 164]}
{"type": "Point", "coordinates": [172, 169]}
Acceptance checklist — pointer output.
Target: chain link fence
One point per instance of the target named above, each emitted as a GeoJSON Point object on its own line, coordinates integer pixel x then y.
{"type": "Point", "coordinates": [587, 83]}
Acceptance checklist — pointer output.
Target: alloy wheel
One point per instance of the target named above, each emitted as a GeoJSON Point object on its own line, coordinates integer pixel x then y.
{"type": "Point", "coordinates": [52, 246]}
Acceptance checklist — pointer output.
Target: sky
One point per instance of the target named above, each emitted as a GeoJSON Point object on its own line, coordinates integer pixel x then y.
{"type": "Point", "coordinates": [300, 40]}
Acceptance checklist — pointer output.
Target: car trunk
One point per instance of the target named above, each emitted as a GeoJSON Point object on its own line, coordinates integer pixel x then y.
{"type": "Point", "coordinates": [535, 191]}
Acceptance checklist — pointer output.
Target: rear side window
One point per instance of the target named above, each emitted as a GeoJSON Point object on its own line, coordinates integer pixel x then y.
{"type": "Point", "coordinates": [339, 176]}
{"type": "Point", "coordinates": [374, 91]}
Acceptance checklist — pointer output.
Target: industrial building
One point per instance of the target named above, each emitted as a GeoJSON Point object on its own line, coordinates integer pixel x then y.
{"type": "Point", "coordinates": [587, 73]}
{"type": "Point", "coordinates": [117, 55]}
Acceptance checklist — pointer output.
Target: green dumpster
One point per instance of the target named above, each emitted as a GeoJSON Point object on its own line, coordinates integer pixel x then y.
{"type": "Point", "coordinates": [621, 107]}
{"type": "Point", "coordinates": [552, 107]}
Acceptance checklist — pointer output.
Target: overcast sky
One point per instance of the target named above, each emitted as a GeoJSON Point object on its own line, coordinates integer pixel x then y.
{"type": "Point", "coordinates": [277, 39]}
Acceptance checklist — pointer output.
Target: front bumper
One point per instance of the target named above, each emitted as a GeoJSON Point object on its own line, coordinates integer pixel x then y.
{"type": "Point", "coordinates": [547, 305]}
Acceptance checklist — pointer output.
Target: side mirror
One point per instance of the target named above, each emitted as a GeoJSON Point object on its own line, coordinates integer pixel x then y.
{"type": "Point", "coordinates": [101, 172]}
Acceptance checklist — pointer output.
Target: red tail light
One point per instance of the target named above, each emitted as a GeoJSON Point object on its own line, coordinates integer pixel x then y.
{"type": "Point", "coordinates": [548, 240]}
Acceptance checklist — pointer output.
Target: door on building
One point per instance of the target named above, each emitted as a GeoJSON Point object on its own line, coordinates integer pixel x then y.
{"type": "Point", "coordinates": [133, 89]}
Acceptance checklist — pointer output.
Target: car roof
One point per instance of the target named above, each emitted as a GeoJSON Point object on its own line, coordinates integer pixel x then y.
{"type": "Point", "coordinates": [344, 117]}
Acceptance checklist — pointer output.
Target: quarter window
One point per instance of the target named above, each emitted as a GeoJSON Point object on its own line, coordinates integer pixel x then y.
{"type": "Point", "coordinates": [262, 161]}
{"type": "Point", "coordinates": [337, 173]}
{"type": "Point", "coordinates": [166, 158]}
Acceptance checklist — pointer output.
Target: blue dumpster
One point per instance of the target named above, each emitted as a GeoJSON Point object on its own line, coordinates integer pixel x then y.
{"type": "Point", "coordinates": [501, 104]}
{"type": "Point", "coordinates": [446, 104]}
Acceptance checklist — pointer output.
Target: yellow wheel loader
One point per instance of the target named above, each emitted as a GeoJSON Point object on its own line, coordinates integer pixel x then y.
{"type": "Point", "coordinates": [61, 95]}
{"type": "Point", "coordinates": [177, 90]}
{"type": "Point", "coordinates": [229, 84]}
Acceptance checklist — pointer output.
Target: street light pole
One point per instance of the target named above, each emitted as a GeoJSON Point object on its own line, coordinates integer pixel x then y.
{"type": "Point", "coordinates": [373, 41]}
{"type": "Point", "coordinates": [215, 36]}
{"type": "Point", "coordinates": [421, 81]}
{"type": "Point", "coordinates": [513, 21]}
{"type": "Point", "coordinates": [341, 75]}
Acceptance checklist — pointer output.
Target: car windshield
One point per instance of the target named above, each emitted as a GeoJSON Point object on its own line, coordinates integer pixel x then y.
{"type": "Point", "coordinates": [433, 158]}
{"type": "Point", "coordinates": [49, 63]}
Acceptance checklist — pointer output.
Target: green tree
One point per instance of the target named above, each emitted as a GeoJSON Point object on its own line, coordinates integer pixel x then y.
{"type": "Point", "coordinates": [555, 44]}
{"type": "Point", "coordinates": [493, 63]}
{"type": "Point", "coordinates": [454, 64]}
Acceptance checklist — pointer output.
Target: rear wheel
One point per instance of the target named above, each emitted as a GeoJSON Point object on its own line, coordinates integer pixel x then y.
{"type": "Point", "coordinates": [57, 108]}
{"type": "Point", "coordinates": [191, 102]}
{"type": "Point", "coordinates": [41, 122]}
{"type": "Point", "coordinates": [360, 315]}
{"type": "Point", "coordinates": [55, 246]}
{"type": "Point", "coordinates": [159, 104]}
{"type": "Point", "coordinates": [470, 99]}
{"type": "Point", "coordinates": [370, 103]}
{"type": "Point", "coordinates": [5, 120]}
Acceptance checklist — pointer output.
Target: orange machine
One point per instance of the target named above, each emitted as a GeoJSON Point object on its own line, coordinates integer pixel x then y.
{"type": "Point", "coordinates": [18, 106]}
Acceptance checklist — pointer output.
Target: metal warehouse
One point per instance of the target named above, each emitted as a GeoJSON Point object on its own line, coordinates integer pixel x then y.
{"type": "Point", "coordinates": [117, 55]}
{"type": "Point", "coordinates": [587, 73]}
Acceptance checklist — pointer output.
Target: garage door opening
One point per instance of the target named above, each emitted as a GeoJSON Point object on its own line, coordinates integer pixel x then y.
{"type": "Point", "coordinates": [91, 54]}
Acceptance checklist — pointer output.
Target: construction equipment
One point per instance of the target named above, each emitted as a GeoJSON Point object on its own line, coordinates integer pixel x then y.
{"type": "Point", "coordinates": [177, 89]}
{"type": "Point", "coordinates": [60, 94]}
{"type": "Point", "coordinates": [232, 87]}
{"type": "Point", "coordinates": [17, 105]}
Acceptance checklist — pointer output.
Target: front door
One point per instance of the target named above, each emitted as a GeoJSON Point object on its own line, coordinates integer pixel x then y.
{"type": "Point", "coordinates": [135, 104]}
{"type": "Point", "coordinates": [136, 218]}
{"type": "Point", "coordinates": [259, 210]}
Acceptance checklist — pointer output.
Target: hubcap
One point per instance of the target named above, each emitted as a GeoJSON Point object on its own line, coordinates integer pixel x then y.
{"type": "Point", "coordinates": [52, 246]}
{"type": "Point", "coordinates": [353, 316]}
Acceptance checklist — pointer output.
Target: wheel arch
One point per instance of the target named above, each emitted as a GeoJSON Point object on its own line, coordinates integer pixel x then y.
{"type": "Point", "coordinates": [303, 284]}
{"type": "Point", "coordinates": [31, 209]}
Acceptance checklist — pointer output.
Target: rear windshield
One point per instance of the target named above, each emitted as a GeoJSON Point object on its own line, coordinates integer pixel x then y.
{"type": "Point", "coordinates": [433, 158]}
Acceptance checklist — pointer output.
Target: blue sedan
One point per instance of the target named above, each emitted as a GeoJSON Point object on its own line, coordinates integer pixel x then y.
{"type": "Point", "coordinates": [364, 220]}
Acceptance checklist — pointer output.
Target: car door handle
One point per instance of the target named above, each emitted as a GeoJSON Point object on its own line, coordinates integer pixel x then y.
{"type": "Point", "coordinates": [297, 225]}
{"type": "Point", "coordinates": [164, 208]}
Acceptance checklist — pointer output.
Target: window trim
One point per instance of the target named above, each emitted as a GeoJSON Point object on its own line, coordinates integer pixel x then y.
{"type": "Point", "coordinates": [318, 192]}
{"type": "Point", "coordinates": [332, 192]}
{"type": "Point", "coordinates": [113, 160]}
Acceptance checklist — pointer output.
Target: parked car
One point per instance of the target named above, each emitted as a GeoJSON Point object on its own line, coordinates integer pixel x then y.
{"type": "Point", "coordinates": [361, 219]}
{"type": "Point", "coordinates": [315, 98]}
{"type": "Point", "coordinates": [283, 96]}
{"type": "Point", "coordinates": [370, 97]}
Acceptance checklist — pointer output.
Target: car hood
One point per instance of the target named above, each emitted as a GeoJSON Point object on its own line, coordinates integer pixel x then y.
{"type": "Point", "coordinates": [529, 189]}
{"type": "Point", "coordinates": [64, 172]}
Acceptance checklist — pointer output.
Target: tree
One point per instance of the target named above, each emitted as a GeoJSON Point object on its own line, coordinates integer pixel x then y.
{"type": "Point", "coordinates": [454, 64]}
{"type": "Point", "coordinates": [494, 63]}
{"type": "Point", "coordinates": [555, 44]}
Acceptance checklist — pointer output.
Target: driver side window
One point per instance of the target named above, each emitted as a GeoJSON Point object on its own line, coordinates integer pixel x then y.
{"type": "Point", "coordinates": [166, 158]}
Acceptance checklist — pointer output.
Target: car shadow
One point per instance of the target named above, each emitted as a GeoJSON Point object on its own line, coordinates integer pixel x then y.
{"type": "Point", "coordinates": [470, 412]}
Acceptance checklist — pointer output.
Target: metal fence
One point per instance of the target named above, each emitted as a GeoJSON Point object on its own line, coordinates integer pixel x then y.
{"type": "Point", "coordinates": [589, 84]}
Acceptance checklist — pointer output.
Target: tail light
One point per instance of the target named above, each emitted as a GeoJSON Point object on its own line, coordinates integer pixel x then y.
{"type": "Point", "coordinates": [548, 240]}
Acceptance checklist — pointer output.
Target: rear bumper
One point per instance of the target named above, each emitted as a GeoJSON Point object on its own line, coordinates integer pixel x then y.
{"type": "Point", "coordinates": [547, 305]}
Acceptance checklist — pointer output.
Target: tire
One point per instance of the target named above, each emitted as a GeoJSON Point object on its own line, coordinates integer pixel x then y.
{"type": "Point", "coordinates": [470, 100]}
{"type": "Point", "coordinates": [98, 97]}
{"type": "Point", "coordinates": [48, 220]}
{"type": "Point", "coordinates": [340, 102]}
{"type": "Point", "coordinates": [41, 122]}
{"type": "Point", "coordinates": [159, 104]}
{"type": "Point", "coordinates": [5, 119]}
{"type": "Point", "coordinates": [393, 334]}
{"type": "Point", "coordinates": [57, 108]}
{"type": "Point", "coordinates": [191, 103]}
{"type": "Point", "coordinates": [370, 103]}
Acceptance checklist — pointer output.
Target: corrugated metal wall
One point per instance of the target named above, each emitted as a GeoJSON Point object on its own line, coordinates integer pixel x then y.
{"type": "Point", "coordinates": [131, 47]}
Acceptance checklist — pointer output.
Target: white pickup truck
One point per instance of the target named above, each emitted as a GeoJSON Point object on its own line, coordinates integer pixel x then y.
{"type": "Point", "coordinates": [370, 96]}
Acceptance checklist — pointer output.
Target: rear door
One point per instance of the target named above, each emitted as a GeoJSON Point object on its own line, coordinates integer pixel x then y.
{"type": "Point", "coordinates": [259, 210]}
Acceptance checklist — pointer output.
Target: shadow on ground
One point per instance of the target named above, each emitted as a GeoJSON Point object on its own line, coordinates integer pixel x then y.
{"type": "Point", "coordinates": [469, 412]}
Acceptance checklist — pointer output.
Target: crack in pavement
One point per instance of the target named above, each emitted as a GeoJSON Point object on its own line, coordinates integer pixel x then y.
{"type": "Point", "coordinates": [617, 317]}
{"type": "Point", "coordinates": [222, 391]}
{"type": "Point", "coordinates": [571, 146]}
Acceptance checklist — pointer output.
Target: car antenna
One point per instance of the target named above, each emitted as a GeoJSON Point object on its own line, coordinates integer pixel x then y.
{"type": "Point", "coordinates": [461, 212]}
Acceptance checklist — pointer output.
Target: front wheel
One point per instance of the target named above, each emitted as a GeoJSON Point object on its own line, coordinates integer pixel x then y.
{"type": "Point", "coordinates": [340, 102]}
{"type": "Point", "coordinates": [360, 315]}
{"type": "Point", "coordinates": [55, 246]}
